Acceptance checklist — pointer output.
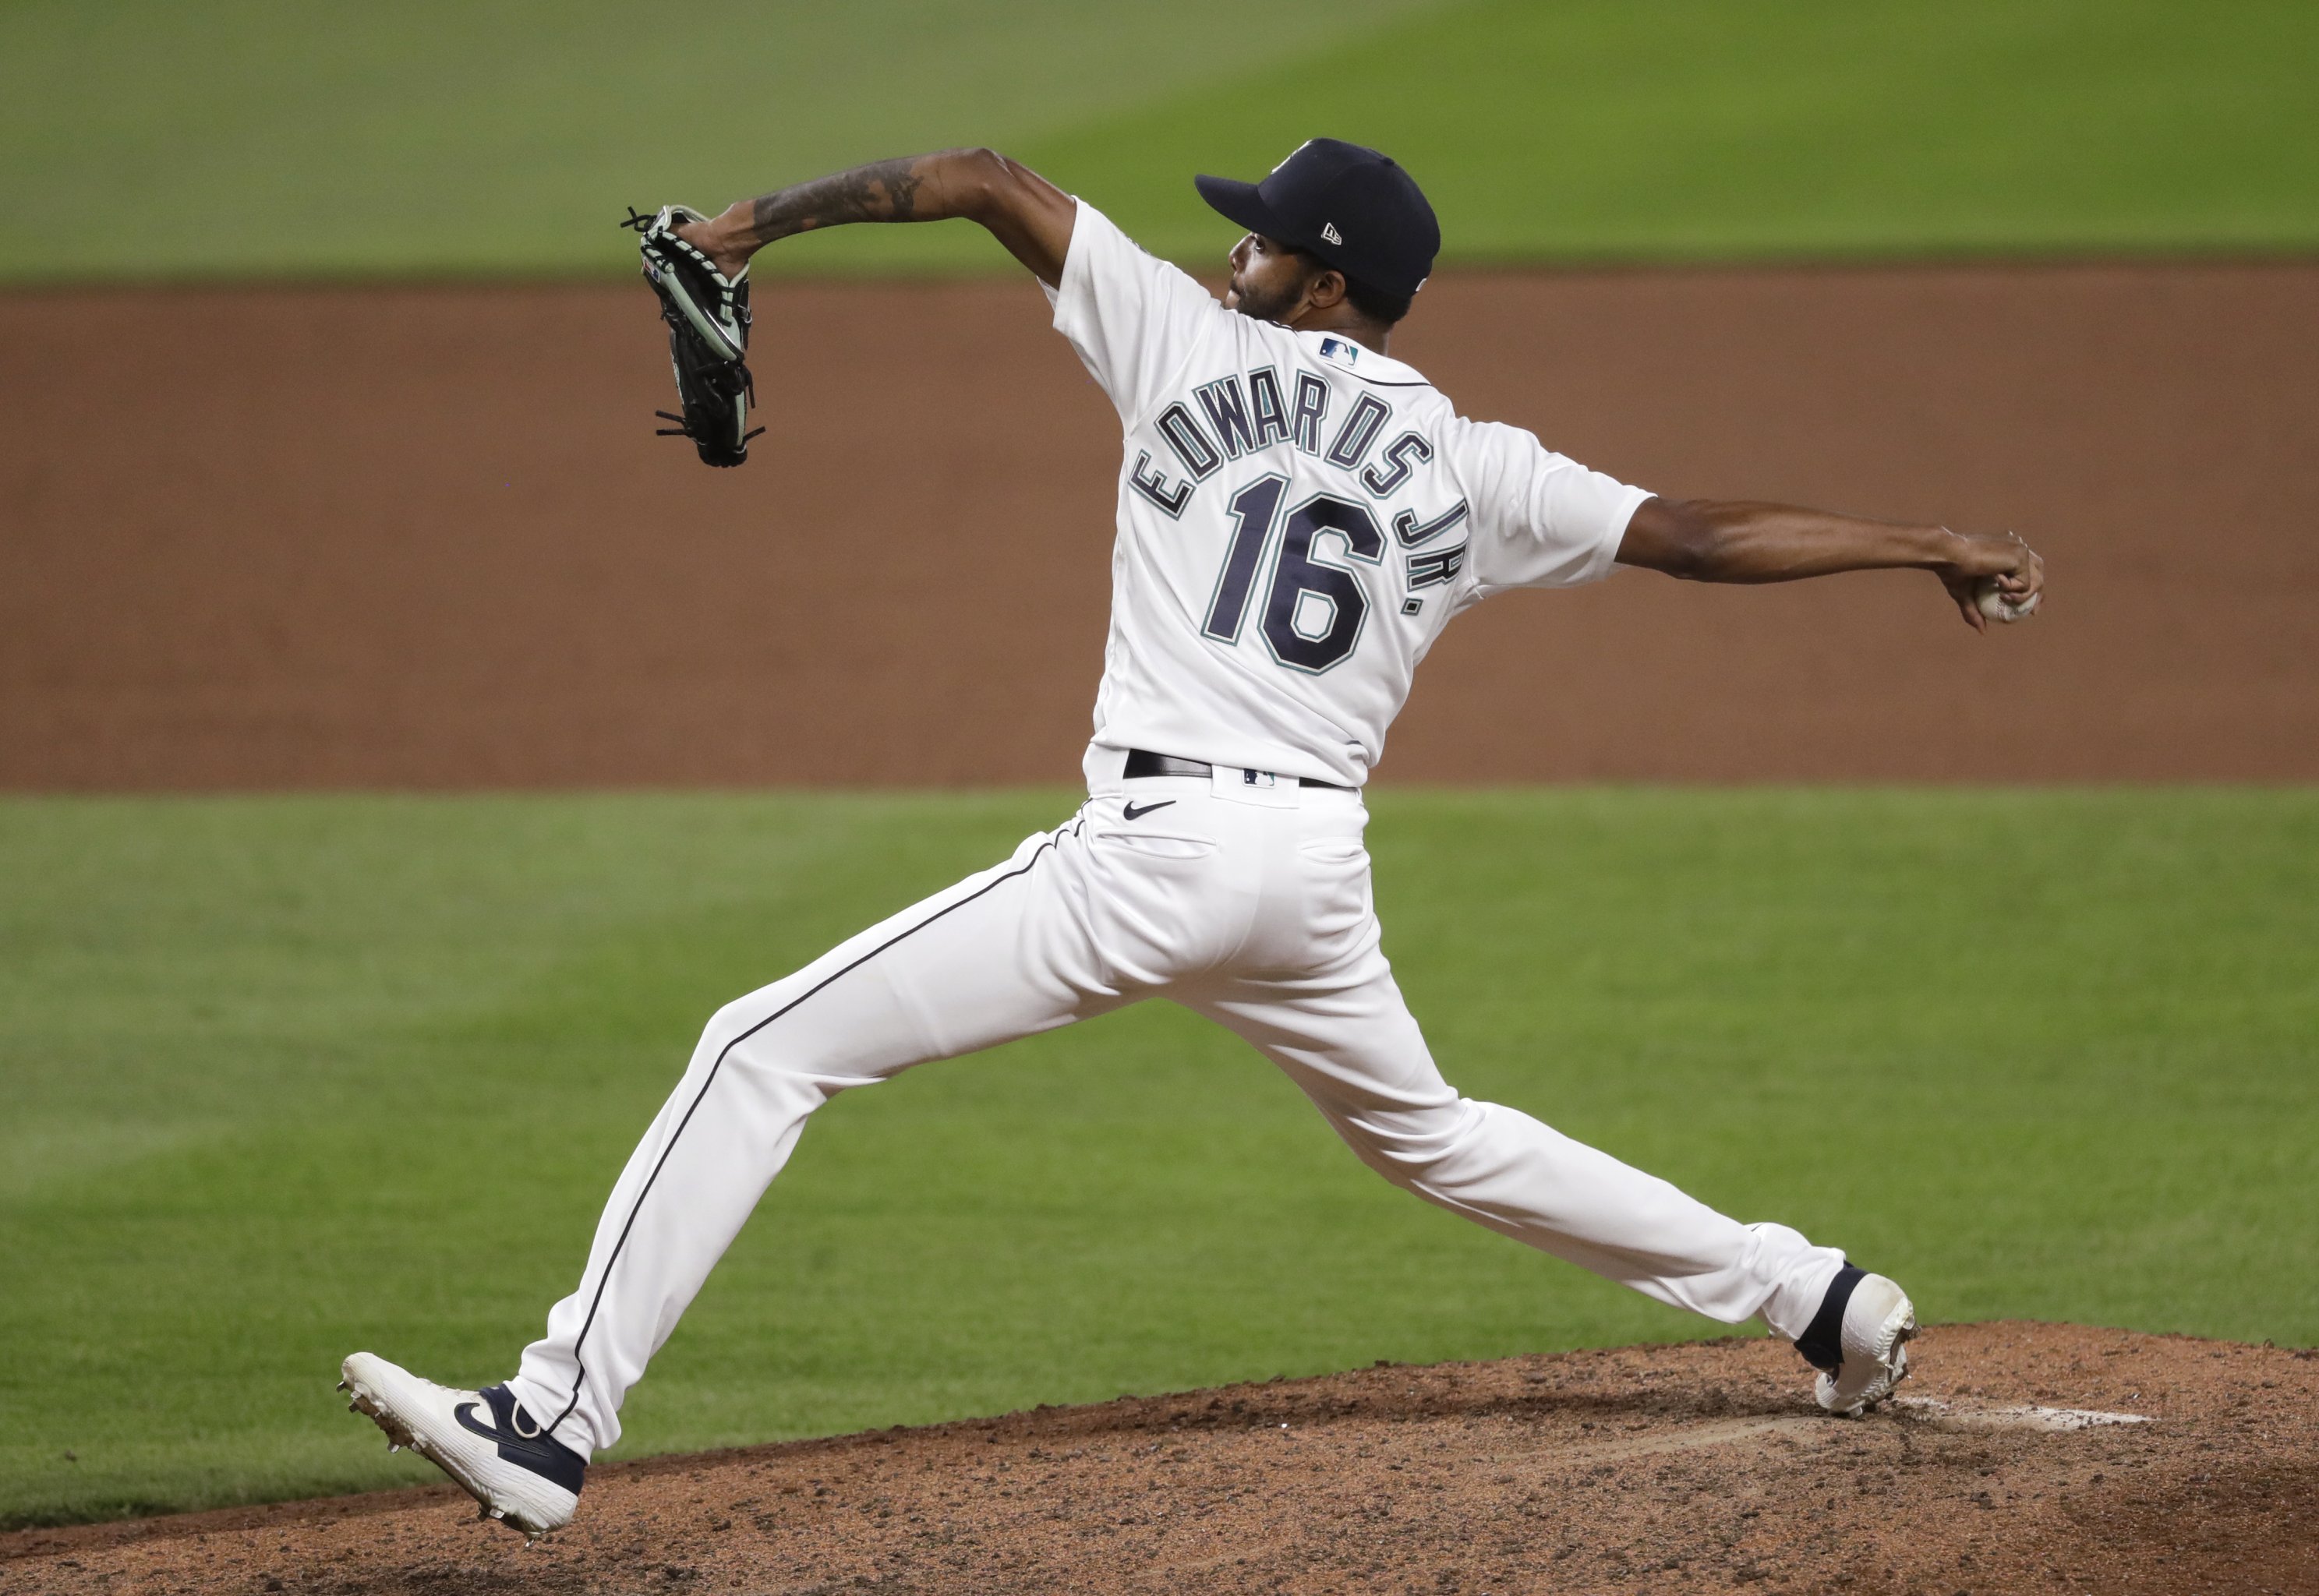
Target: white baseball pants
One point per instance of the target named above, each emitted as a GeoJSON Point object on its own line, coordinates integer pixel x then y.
{"type": "Point", "coordinates": [1243, 897]}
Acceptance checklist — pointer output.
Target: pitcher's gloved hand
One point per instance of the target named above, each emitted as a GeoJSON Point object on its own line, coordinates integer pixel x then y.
{"type": "Point", "coordinates": [708, 317]}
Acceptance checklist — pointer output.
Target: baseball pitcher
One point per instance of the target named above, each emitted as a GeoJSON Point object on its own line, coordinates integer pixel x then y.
{"type": "Point", "coordinates": [1299, 516]}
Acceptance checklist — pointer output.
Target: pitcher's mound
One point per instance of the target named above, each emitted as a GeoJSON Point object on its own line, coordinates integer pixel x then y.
{"type": "Point", "coordinates": [2020, 1457]}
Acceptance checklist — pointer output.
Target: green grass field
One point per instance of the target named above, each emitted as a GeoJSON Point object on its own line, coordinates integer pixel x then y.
{"type": "Point", "coordinates": [283, 1077]}
{"type": "Point", "coordinates": [273, 138]}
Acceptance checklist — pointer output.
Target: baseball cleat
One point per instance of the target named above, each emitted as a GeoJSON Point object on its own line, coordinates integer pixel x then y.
{"type": "Point", "coordinates": [1858, 1340]}
{"type": "Point", "coordinates": [484, 1439]}
{"type": "Point", "coordinates": [688, 283]}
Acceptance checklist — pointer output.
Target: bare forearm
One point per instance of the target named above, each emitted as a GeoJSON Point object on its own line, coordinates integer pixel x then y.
{"type": "Point", "coordinates": [1741, 542]}
{"type": "Point", "coordinates": [882, 191]}
{"type": "Point", "coordinates": [1711, 540]}
{"type": "Point", "coordinates": [1025, 212]}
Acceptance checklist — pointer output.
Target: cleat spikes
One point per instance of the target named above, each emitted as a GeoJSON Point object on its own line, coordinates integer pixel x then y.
{"type": "Point", "coordinates": [343, 1385]}
{"type": "Point", "coordinates": [483, 1440]}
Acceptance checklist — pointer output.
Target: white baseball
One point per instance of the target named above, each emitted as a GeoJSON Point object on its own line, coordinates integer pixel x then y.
{"type": "Point", "coordinates": [1993, 603]}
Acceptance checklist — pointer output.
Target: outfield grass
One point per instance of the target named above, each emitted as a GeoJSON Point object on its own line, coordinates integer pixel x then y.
{"type": "Point", "coordinates": [281, 136]}
{"type": "Point", "coordinates": [283, 1077]}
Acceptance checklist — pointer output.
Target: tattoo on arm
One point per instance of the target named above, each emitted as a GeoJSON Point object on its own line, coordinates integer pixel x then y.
{"type": "Point", "coordinates": [1022, 211]}
{"type": "Point", "coordinates": [883, 190]}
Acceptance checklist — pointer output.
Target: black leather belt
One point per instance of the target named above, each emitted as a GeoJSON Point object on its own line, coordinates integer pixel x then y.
{"type": "Point", "coordinates": [1142, 763]}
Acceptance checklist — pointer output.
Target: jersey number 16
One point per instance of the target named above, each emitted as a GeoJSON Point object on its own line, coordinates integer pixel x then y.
{"type": "Point", "coordinates": [1296, 575]}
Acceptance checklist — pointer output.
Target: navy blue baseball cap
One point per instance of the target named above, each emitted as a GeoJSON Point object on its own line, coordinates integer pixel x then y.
{"type": "Point", "coordinates": [1348, 205]}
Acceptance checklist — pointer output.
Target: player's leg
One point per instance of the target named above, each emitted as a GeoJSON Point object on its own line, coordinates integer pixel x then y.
{"type": "Point", "coordinates": [1002, 954]}
{"type": "Point", "coordinates": [1112, 907]}
{"type": "Point", "coordinates": [1345, 1037]}
{"type": "Point", "coordinates": [1311, 988]}
{"type": "Point", "coordinates": [1314, 992]}
{"type": "Point", "coordinates": [1357, 1053]}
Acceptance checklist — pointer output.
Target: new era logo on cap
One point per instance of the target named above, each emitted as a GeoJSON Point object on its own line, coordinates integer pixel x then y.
{"type": "Point", "coordinates": [1328, 231]}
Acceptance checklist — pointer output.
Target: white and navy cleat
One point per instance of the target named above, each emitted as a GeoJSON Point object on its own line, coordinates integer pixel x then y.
{"type": "Point", "coordinates": [484, 1439]}
{"type": "Point", "coordinates": [1858, 1340]}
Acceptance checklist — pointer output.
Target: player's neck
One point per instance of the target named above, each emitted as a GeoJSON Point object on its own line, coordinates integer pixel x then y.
{"type": "Point", "coordinates": [1346, 322]}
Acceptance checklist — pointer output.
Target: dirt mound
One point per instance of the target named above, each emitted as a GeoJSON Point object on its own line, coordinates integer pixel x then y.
{"type": "Point", "coordinates": [2022, 1457]}
{"type": "Point", "coordinates": [425, 537]}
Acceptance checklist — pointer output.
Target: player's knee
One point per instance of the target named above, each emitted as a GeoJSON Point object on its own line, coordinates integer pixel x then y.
{"type": "Point", "coordinates": [1407, 1148]}
{"type": "Point", "coordinates": [748, 1037]}
{"type": "Point", "coordinates": [728, 1029]}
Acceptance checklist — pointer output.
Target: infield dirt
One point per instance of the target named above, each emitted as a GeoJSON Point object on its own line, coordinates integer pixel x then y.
{"type": "Point", "coordinates": [424, 537]}
{"type": "Point", "coordinates": [2021, 1457]}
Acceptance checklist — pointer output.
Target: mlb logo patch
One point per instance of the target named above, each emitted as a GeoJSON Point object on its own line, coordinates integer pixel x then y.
{"type": "Point", "coordinates": [1339, 349]}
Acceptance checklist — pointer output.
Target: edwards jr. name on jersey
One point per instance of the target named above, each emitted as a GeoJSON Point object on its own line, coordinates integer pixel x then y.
{"type": "Point", "coordinates": [1299, 516]}
{"type": "Point", "coordinates": [1263, 417]}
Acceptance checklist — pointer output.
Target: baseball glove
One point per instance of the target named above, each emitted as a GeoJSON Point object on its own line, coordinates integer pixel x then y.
{"type": "Point", "coordinates": [708, 317]}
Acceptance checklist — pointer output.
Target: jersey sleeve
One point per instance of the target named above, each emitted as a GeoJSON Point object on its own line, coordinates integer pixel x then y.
{"type": "Point", "coordinates": [1540, 520]}
{"type": "Point", "coordinates": [1134, 319]}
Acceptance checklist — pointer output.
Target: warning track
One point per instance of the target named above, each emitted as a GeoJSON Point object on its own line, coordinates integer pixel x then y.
{"type": "Point", "coordinates": [2027, 1456]}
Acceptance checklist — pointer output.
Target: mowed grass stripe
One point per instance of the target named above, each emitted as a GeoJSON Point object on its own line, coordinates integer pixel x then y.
{"type": "Point", "coordinates": [282, 1077]}
{"type": "Point", "coordinates": [268, 139]}
{"type": "Point", "coordinates": [1689, 129]}
{"type": "Point", "coordinates": [277, 137]}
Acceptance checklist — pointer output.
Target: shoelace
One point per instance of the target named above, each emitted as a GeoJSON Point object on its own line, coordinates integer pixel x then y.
{"type": "Point", "coordinates": [683, 429]}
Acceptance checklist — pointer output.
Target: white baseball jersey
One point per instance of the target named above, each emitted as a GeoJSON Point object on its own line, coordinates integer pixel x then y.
{"type": "Point", "coordinates": [1299, 516]}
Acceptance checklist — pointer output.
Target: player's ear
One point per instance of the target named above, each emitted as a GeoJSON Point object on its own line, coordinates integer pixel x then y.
{"type": "Point", "coordinates": [1327, 289]}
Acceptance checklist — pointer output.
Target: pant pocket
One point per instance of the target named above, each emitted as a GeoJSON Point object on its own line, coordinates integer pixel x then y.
{"type": "Point", "coordinates": [1337, 851]}
{"type": "Point", "coordinates": [1156, 845]}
